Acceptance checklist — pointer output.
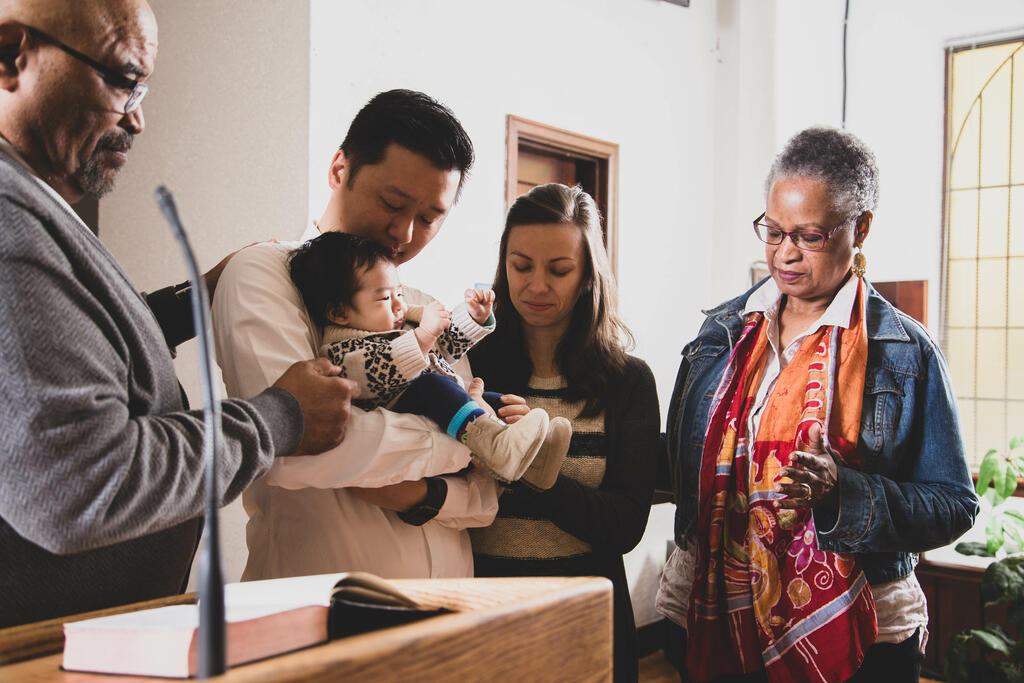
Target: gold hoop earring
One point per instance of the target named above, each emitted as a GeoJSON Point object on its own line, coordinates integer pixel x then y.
{"type": "Point", "coordinates": [860, 263]}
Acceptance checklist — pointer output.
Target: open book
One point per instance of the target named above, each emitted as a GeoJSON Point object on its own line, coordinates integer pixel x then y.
{"type": "Point", "coordinates": [264, 618]}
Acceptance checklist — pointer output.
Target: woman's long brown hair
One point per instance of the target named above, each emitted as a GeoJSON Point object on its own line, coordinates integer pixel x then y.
{"type": "Point", "coordinates": [592, 354]}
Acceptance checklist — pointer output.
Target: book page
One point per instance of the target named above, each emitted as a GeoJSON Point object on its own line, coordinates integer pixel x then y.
{"type": "Point", "coordinates": [466, 595]}
{"type": "Point", "coordinates": [173, 617]}
{"type": "Point", "coordinates": [296, 591]}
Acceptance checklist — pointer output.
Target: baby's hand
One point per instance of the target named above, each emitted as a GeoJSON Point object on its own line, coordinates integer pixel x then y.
{"type": "Point", "coordinates": [435, 319]}
{"type": "Point", "coordinates": [413, 313]}
{"type": "Point", "coordinates": [479, 302]}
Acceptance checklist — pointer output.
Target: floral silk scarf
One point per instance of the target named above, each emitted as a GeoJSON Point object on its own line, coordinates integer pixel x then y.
{"type": "Point", "coordinates": [764, 596]}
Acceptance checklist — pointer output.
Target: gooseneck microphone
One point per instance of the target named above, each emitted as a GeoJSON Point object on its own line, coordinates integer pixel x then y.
{"type": "Point", "coordinates": [212, 637]}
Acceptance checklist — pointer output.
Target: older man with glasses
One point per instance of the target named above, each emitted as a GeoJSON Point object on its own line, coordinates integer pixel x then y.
{"type": "Point", "coordinates": [102, 465]}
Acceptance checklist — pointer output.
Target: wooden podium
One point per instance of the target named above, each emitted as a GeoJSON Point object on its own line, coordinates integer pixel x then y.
{"type": "Point", "coordinates": [516, 629]}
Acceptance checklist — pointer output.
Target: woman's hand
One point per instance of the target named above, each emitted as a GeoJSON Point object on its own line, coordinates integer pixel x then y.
{"type": "Point", "coordinates": [814, 473]}
{"type": "Point", "coordinates": [515, 406]}
{"type": "Point", "coordinates": [514, 409]}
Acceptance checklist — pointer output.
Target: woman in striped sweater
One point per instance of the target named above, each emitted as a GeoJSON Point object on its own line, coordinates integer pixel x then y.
{"type": "Point", "coordinates": [559, 343]}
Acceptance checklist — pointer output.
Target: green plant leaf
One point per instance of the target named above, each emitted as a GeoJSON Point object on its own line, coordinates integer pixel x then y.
{"type": "Point", "coordinates": [999, 477]}
{"type": "Point", "coordinates": [987, 470]}
{"type": "Point", "coordinates": [1013, 534]}
{"type": "Point", "coordinates": [1015, 622]}
{"type": "Point", "coordinates": [1013, 522]}
{"type": "Point", "coordinates": [1009, 483]}
{"type": "Point", "coordinates": [1018, 464]}
{"type": "Point", "coordinates": [1015, 618]}
{"type": "Point", "coordinates": [957, 658]}
{"type": "Point", "coordinates": [993, 497]}
{"type": "Point", "coordinates": [1016, 442]}
{"type": "Point", "coordinates": [994, 537]}
{"type": "Point", "coordinates": [1010, 672]}
{"type": "Point", "coordinates": [973, 548]}
{"type": "Point", "coordinates": [1013, 514]}
{"type": "Point", "coordinates": [993, 637]}
{"type": "Point", "coordinates": [1003, 581]}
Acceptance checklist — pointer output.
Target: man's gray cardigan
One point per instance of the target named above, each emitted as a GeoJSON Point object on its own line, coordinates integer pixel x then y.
{"type": "Point", "coordinates": [101, 473]}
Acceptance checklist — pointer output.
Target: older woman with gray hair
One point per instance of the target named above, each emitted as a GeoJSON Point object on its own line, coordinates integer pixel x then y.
{"type": "Point", "coordinates": [815, 449]}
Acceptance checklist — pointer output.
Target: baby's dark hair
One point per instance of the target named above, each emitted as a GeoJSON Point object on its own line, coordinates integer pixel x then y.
{"type": "Point", "coordinates": [326, 270]}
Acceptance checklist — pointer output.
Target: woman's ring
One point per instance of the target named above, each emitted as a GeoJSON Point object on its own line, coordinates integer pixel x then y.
{"type": "Point", "coordinates": [806, 489]}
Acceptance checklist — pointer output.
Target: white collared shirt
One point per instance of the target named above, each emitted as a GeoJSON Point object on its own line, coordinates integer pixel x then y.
{"type": "Point", "coordinates": [302, 519]}
{"type": "Point", "coordinates": [766, 299]}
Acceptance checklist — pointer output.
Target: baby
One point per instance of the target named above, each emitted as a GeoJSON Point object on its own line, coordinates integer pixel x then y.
{"type": "Point", "coordinates": [351, 290]}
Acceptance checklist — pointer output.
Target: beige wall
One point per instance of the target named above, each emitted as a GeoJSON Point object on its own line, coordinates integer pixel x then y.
{"type": "Point", "coordinates": [227, 127]}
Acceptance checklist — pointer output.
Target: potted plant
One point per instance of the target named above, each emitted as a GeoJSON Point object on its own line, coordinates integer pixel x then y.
{"type": "Point", "coordinates": [1003, 581]}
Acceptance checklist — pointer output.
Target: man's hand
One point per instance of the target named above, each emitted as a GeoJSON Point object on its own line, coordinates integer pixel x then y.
{"type": "Point", "coordinates": [326, 402]}
{"type": "Point", "coordinates": [480, 303]}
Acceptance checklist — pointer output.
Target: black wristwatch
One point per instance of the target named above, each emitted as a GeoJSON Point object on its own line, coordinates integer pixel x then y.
{"type": "Point", "coordinates": [418, 515]}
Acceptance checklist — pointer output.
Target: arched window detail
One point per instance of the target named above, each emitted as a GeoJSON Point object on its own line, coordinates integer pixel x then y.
{"type": "Point", "coordinates": [983, 292]}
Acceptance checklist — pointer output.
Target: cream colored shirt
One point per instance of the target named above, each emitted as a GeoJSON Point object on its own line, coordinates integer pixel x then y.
{"type": "Point", "coordinates": [302, 520]}
{"type": "Point", "coordinates": [900, 605]}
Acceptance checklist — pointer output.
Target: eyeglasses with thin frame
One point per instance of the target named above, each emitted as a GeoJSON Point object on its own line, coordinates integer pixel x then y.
{"type": "Point", "coordinates": [807, 240]}
{"type": "Point", "coordinates": [136, 89]}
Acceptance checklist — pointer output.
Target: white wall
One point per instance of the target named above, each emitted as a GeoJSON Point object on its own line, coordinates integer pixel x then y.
{"type": "Point", "coordinates": [227, 121]}
{"type": "Point", "coordinates": [640, 73]}
{"type": "Point", "coordinates": [895, 103]}
{"type": "Point", "coordinates": [743, 138]}
{"type": "Point", "coordinates": [635, 72]}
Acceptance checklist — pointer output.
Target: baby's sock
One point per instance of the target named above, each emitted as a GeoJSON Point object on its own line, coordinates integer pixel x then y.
{"type": "Point", "coordinates": [465, 415]}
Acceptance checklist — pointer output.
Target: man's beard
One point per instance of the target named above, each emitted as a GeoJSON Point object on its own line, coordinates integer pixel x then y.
{"type": "Point", "coordinates": [93, 176]}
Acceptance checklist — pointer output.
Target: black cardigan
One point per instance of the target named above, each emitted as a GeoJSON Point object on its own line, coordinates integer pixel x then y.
{"type": "Point", "coordinates": [611, 518]}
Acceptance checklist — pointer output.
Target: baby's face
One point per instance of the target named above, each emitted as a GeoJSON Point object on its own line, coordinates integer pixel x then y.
{"type": "Point", "coordinates": [378, 306]}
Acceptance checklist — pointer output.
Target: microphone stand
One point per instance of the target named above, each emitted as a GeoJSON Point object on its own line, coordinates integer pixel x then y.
{"type": "Point", "coordinates": [212, 636]}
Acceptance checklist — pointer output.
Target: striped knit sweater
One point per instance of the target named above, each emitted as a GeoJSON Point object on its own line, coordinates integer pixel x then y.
{"type": "Point", "coordinates": [597, 510]}
{"type": "Point", "coordinates": [518, 532]}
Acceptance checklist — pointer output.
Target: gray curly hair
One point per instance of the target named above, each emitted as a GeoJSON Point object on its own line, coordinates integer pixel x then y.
{"type": "Point", "coordinates": [835, 157]}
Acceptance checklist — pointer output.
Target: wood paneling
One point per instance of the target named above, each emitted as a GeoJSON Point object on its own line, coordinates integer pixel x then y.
{"type": "Point", "coordinates": [954, 604]}
{"type": "Point", "coordinates": [557, 629]}
{"type": "Point", "coordinates": [537, 153]}
{"type": "Point", "coordinates": [910, 296]}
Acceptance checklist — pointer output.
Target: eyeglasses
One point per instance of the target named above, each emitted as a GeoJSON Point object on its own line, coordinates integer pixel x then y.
{"type": "Point", "coordinates": [807, 240]}
{"type": "Point", "coordinates": [136, 89]}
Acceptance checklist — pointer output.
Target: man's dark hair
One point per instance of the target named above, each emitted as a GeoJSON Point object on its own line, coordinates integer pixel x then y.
{"type": "Point", "coordinates": [326, 270]}
{"type": "Point", "coordinates": [412, 120]}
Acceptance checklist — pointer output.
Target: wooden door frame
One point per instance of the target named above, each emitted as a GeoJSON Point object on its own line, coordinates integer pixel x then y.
{"type": "Point", "coordinates": [563, 141]}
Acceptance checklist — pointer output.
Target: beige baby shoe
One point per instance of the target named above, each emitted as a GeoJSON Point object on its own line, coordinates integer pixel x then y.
{"type": "Point", "coordinates": [507, 450]}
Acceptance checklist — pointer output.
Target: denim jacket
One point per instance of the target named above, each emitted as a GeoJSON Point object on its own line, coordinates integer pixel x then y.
{"type": "Point", "coordinates": [914, 490]}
